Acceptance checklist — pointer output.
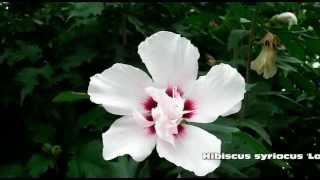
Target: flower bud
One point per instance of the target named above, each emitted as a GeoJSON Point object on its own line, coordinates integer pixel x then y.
{"type": "Point", "coordinates": [46, 147]}
{"type": "Point", "coordinates": [286, 17]}
{"type": "Point", "coordinates": [56, 150]}
{"type": "Point", "coordinates": [211, 60]}
{"type": "Point", "coordinates": [265, 63]}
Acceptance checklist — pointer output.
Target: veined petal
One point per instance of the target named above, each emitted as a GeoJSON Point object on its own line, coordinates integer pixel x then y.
{"type": "Point", "coordinates": [189, 148]}
{"type": "Point", "coordinates": [170, 58]}
{"type": "Point", "coordinates": [120, 88]}
{"type": "Point", "coordinates": [216, 93]}
{"type": "Point", "coordinates": [125, 136]}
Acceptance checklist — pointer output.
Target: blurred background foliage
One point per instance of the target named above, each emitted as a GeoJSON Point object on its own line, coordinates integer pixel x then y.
{"type": "Point", "coordinates": [49, 51]}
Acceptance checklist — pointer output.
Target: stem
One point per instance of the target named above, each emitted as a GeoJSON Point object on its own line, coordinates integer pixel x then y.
{"type": "Point", "coordinates": [235, 56]}
{"type": "Point", "coordinates": [124, 33]}
{"type": "Point", "coordinates": [250, 40]}
{"type": "Point", "coordinates": [124, 26]}
{"type": "Point", "coordinates": [247, 78]}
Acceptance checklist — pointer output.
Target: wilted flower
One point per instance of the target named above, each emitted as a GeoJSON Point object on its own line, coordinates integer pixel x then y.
{"type": "Point", "coordinates": [286, 17]}
{"type": "Point", "coordinates": [155, 112]}
{"type": "Point", "coordinates": [266, 61]}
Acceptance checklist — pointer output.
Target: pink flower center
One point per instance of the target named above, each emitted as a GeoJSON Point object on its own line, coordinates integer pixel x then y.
{"type": "Point", "coordinates": [188, 106]}
{"type": "Point", "coordinates": [170, 90]}
{"type": "Point", "coordinates": [174, 105]}
{"type": "Point", "coordinates": [180, 131]}
{"type": "Point", "coordinates": [149, 103]}
{"type": "Point", "coordinates": [151, 130]}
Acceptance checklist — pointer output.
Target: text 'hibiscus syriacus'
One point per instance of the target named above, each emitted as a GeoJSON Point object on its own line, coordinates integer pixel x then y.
{"type": "Point", "coordinates": [156, 111]}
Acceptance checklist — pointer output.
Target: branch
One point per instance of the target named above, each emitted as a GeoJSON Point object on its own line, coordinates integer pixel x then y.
{"type": "Point", "coordinates": [251, 38]}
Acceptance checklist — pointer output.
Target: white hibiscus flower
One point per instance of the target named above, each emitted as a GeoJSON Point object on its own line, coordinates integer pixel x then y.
{"type": "Point", "coordinates": [156, 111]}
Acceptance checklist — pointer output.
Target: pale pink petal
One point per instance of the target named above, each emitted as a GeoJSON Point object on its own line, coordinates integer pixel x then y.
{"type": "Point", "coordinates": [217, 93]}
{"type": "Point", "coordinates": [164, 128]}
{"type": "Point", "coordinates": [189, 148]}
{"type": "Point", "coordinates": [120, 89]}
{"type": "Point", "coordinates": [170, 58]}
{"type": "Point", "coordinates": [140, 119]}
{"type": "Point", "coordinates": [125, 136]}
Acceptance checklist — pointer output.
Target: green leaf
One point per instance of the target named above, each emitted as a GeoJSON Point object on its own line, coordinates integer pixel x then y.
{"type": "Point", "coordinates": [226, 138]}
{"type": "Point", "coordinates": [85, 9]}
{"type": "Point", "coordinates": [244, 20]}
{"type": "Point", "coordinates": [288, 59]}
{"type": "Point", "coordinates": [221, 130]}
{"type": "Point", "coordinates": [29, 78]}
{"type": "Point", "coordinates": [137, 24]}
{"type": "Point", "coordinates": [235, 37]}
{"type": "Point", "coordinates": [22, 52]}
{"type": "Point", "coordinates": [70, 96]}
{"type": "Point", "coordinates": [293, 45]}
{"type": "Point", "coordinates": [88, 162]}
{"type": "Point", "coordinates": [304, 83]}
{"type": "Point", "coordinates": [169, 168]}
{"type": "Point", "coordinates": [244, 143]}
{"type": "Point", "coordinates": [80, 56]}
{"type": "Point", "coordinates": [250, 86]}
{"type": "Point", "coordinates": [13, 171]}
{"type": "Point", "coordinates": [145, 170]}
{"type": "Point", "coordinates": [39, 164]}
{"type": "Point", "coordinates": [257, 128]}
{"type": "Point", "coordinates": [41, 132]}
{"type": "Point", "coordinates": [73, 169]}
{"type": "Point", "coordinates": [124, 167]}
{"type": "Point", "coordinates": [199, 21]}
{"type": "Point", "coordinates": [229, 170]}
{"type": "Point", "coordinates": [286, 68]}
{"type": "Point", "coordinates": [212, 127]}
{"type": "Point", "coordinates": [32, 52]}
{"type": "Point", "coordinates": [96, 118]}
{"type": "Point", "coordinates": [279, 94]}
{"type": "Point", "coordinates": [85, 21]}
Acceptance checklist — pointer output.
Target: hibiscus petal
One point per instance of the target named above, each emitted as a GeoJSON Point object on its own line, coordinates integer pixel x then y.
{"type": "Point", "coordinates": [141, 120]}
{"type": "Point", "coordinates": [125, 136]}
{"type": "Point", "coordinates": [189, 148]}
{"type": "Point", "coordinates": [120, 88]}
{"type": "Point", "coordinates": [233, 110]}
{"type": "Point", "coordinates": [170, 58]}
{"type": "Point", "coordinates": [217, 93]}
{"type": "Point", "coordinates": [163, 129]}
